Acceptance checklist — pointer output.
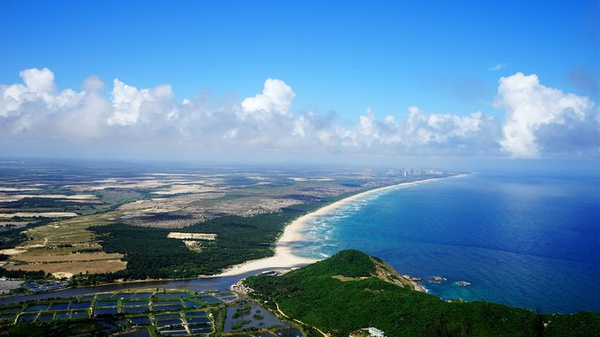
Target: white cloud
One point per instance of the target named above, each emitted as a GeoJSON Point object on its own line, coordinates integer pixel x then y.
{"type": "Point", "coordinates": [424, 133]}
{"type": "Point", "coordinates": [39, 91]}
{"type": "Point", "coordinates": [86, 120]}
{"type": "Point", "coordinates": [129, 102]}
{"type": "Point", "coordinates": [300, 126]}
{"type": "Point", "coordinates": [531, 107]}
{"type": "Point", "coordinates": [539, 121]}
{"type": "Point", "coordinates": [276, 97]}
{"type": "Point", "coordinates": [498, 66]}
{"type": "Point", "coordinates": [39, 81]}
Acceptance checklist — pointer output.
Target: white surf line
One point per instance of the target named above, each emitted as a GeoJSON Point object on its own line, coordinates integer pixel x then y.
{"type": "Point", "coordinates": [284, 259]}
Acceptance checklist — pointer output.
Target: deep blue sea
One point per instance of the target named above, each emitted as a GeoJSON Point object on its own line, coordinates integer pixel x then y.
{"type": "Point", "coordinates": [525, 240]}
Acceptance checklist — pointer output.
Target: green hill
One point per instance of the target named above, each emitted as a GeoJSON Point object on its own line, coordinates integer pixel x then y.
{"type": "Point", "coordinates": [353, 290]}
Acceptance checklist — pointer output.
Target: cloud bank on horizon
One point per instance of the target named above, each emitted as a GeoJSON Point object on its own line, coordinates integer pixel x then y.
{"type": "Point", "coordinates": [539, 121]}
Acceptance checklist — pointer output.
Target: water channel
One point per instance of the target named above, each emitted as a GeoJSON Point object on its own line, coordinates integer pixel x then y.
{"type": "Point", "coordinates": [197, 285]}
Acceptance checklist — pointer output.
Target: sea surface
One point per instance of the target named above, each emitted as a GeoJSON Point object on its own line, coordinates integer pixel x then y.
{"type": "Point", "coordinates": [528, 240]}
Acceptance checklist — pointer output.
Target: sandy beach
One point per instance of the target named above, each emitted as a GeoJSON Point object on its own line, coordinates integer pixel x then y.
{"type": "Point", "coordinates": [284, 259]}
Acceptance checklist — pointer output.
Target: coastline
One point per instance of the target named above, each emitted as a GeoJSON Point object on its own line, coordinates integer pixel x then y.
{"type": "Point", "coordinates": [284, 259]}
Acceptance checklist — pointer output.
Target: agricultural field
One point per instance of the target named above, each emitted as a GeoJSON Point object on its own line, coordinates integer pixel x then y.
{"type": "Point", "coordinates": [52, 213]}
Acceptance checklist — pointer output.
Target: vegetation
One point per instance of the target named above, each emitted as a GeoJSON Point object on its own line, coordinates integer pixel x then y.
{"type": "Point", "coordinates": [189, 193]}
{"type": "Point", "coordinates": [150, 254]}
{"type": "Point", "coordinates": [239, 325]}
{"type": "Point", "coordinates": [42, 204]}
{"type": "Point", "coordinates": [14, 236]}
{"type": "Point", "coordinates": [116, 197]}
{"type": "Point", "coordinates": [318, 296]}
{"type": "Point", "coordinates": [22, 274]}
{"type": "Point", "coordinates": [244, 311]}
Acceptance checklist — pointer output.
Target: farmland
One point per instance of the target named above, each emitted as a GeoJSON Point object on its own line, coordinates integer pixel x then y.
{"type": "Point", "coordinates": [67, 218]}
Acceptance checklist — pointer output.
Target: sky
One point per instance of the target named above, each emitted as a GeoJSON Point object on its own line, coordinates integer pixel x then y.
{"type": "Point", "coordinates": [365, 81]}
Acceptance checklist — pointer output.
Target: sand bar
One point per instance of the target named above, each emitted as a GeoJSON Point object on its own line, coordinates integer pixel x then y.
{"type": "Point", "coordinates": [284, 259]}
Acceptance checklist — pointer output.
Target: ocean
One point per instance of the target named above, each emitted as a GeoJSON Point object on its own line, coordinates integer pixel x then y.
{"type": "Point", "coordinates": [527, 240]}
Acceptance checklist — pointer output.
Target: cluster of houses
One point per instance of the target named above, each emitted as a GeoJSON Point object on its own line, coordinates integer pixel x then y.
{"type": "Point", "coordinates": [239, 287]}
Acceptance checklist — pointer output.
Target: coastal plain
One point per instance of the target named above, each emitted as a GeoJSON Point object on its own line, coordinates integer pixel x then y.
{"type": "Point", "coordinates": [127, 227]}
{"type": "Point", "coordinates": [66, 220]}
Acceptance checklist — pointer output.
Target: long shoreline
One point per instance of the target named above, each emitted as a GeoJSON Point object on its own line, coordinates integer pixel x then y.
{"type": "Point", "coordinates": [284, 259]}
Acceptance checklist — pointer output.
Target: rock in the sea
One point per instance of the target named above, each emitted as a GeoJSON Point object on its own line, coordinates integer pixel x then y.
{"type": "Point", "coordinates": [438, 279]}
{"type": "Point", "coordinates": [462, 283]}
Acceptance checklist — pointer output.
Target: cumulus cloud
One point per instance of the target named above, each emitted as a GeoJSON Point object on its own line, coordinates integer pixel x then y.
{"type": "Point", "coordinates": [129, 102]}
{"type": "Point", "coordinates": [533, 109]}
{"type": "Point", "coordinates": [39, 89]}
{"type": "Point", "coordinates": [276, 97]}
{"type": "Point", "coordinates": [87, 119]}
{"type": "Point", "coordinates": [39, 81]}
{"type": "Point", "coordinates": [425, 134]}
{"type": "Point", "coordinates": [539, 121]}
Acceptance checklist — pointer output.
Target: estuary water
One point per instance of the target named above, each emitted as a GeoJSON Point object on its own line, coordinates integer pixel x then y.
{"type": "Point", "coordinates": [525, 240]}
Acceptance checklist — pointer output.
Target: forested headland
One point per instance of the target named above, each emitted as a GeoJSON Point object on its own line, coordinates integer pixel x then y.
{"type": "Point", "coordinates": [352, 290]}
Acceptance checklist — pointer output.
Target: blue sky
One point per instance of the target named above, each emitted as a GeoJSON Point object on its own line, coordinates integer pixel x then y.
{"type": "Point", "coordinates": [390, 79]}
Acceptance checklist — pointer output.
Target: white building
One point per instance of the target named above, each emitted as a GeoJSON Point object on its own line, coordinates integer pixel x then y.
{"type": "Point", "coordinates": [376, 332]}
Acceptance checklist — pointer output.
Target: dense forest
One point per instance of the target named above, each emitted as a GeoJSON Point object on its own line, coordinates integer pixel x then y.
{"type": "Point", "coordinates": [343, 294]}
{"type": "Point", "coordinates": [150, 254]}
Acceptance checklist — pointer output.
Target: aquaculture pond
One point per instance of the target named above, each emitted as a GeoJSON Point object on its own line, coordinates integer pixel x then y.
{"type": "Point", "coordinates": [250, 317]}
{"type": "Point", "coordinates": [171, 312]}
